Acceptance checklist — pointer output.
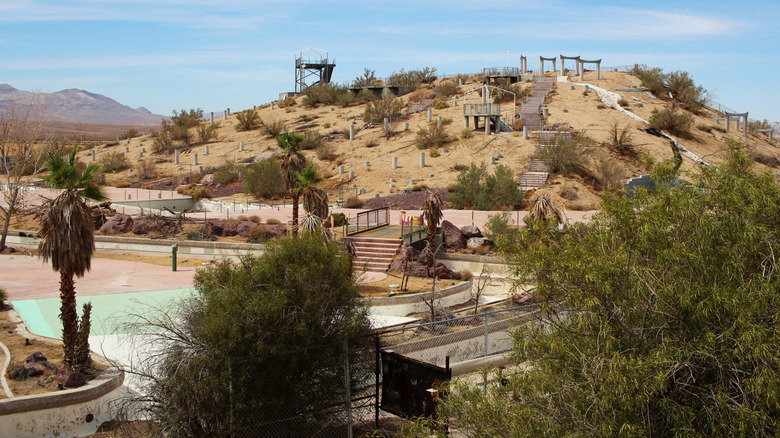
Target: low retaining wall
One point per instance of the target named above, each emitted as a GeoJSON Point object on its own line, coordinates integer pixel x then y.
{"type": "Point", "coordinates": [68, 413]}
{"type": "Point", "coordinates": [497, 266]}
{"type": "Point", "coordinates": [402, 305]}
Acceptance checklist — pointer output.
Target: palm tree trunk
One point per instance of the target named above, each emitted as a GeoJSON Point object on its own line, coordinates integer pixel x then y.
{"type": "Point", "coordinates": [82, 358]}
{"type": "Point", "coordinates": [69, 317]}
{"type": "Point", "coordinates": [295, 199]}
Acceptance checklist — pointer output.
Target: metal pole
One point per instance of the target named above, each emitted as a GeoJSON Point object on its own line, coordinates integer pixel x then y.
{"type": "Point", "coordinates": [486, 335]}
{"type": "Point", "coordinates": [174, 249]}
{"type": "Point", "coordinates": [376, 374]}
{"type": "Point", "coordinates": [347, 382]}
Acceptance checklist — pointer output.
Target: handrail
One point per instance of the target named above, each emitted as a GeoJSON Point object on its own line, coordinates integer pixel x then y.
{"type": "Point", "coordinates": [413, 235]}
{"type": "Point", "coordinates": [368, 220]}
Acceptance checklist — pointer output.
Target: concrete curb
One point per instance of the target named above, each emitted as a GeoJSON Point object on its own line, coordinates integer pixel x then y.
{"type": "Point", "coordinates": [4, 382]}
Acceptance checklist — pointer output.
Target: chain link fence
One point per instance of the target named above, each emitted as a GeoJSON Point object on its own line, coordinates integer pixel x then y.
{"type": "Point", "coordinates": [342, 399]}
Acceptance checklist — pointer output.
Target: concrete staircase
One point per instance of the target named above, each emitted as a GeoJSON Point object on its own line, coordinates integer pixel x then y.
{"type": "Point", "coordinates": [374, 254]}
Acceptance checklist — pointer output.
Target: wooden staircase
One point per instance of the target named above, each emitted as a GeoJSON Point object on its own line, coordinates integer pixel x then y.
{"type": "Point", "coordinates": [374, 254]}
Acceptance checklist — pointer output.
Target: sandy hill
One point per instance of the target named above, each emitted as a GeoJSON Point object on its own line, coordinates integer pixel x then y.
{"type": "Point", "coordinates": [370, 155]}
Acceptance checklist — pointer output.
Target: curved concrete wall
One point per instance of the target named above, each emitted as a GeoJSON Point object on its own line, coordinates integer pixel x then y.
{"type": "Point", "coordinates": [403, 305]}
{"type": "Point", "coordinates": [68, 413]}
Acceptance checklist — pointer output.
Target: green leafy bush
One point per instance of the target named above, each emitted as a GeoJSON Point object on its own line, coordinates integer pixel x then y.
{"type": "Point", "coordinates": [207, 133]}
{"type": "Point", "coordinates": [228, 173]}
{"type": "Point", "coordinates": [653, 79]}
{"type": "Point", "coordinates": [263, 179]}
{"type": "Point", "coordinates": [476, 189]}
{"type": "Point", "coordinates": [446, 89]}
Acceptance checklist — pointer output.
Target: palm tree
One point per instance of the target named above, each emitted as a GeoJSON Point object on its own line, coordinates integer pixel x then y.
{"type": "Point", "coordinates": [432, 215]}
{"type": "Point", "coordinates": [67, 231]}
{"type": "Point", "coordinates": [292, 161]}
{"type": "Point", "coordinates": [315, 201]}
{"type": "Point", "coordinates": [545, 209]}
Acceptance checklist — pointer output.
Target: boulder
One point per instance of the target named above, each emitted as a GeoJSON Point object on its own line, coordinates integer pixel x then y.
{"type": "Point", "coordinates": [479, 243]}
{"type": "Point", "coordinates": [36, 357]}
{"type": "Point", "coordinates": [244, 227]}
{"type": "Point", "coordinates": [453, 238]}
{"type": "Point", "coordinates": [470, 231]}
{"type": "Point", "coordinates": [69, 379]}
{"type": "Point", "coordinates": [276, 230]}
{"type": "Point", "coordinates": [34, 369]}
{"type": "Point", "coordinates": [220, 228]}
{"type": "Point", "coordinates": [441, 272]}
{"type": "Point", "coordinates": [143, 226]}
{"type": "Point", "coordinates": [117, 224]}
{"type": "Point", "coordinates": [405, 255]}
{"type": "Point", "coordinates": [208, 179]}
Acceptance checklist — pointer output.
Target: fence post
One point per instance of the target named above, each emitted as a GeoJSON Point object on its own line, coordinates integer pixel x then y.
{"type": "Point", "coordinates": [347, 381]}
{"type": "Point", "coordinates": [486, 335]}
{"type": "Point", "coordinates": [377, 368]}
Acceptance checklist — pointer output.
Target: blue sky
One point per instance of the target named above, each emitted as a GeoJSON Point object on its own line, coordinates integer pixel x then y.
{"type": "Point", "coordinates": [173, 54]}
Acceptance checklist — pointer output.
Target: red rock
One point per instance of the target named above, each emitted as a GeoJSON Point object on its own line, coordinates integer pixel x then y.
{"type": "Point", "coordinates": [36, 357]}
{"type": "Point", "coordinates": [117, 224]}
{"type": "Point", "coordinates": [69, 379]}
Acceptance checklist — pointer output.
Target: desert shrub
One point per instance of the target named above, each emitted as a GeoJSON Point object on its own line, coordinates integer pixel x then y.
{"type": "Point", "coordinates": [622, 102]}
{"type": "Point", "coordinates": [477, 189]}
{"type": "Point", "coordinates": [431, 136]}
{"type": "Point", "coordinates": [228, 173]}
{"type": "Point", "coordinates": [378, 110]}
{"type": "Point", "coordinates": [146, 169]}
{"type": "Point", "coordinates": [162, 140]}
{"type": "Point", "coordinates": [563, 155]}
{"type": "Point", "coordinates": [366, 95]}
{"type": "Point", "coordinates": [182, 134]}
{"type": "Point", "coordinates": [3, 297]}
{"type": "Point", "coordinates": [273, 221]}
{"type": "Point", "coordinates": [17, 371]}
{"type": "Point", "coordinates": [130, 133]}
{"type": "Point", "coordinates": [326, 94]}
{"type": "Point", "coordinates": [516, 91]}
{"type": "Point", "coordinates": [446, 89]}
{"type": "Point", "coordinates": [259, 232]}
{"type": "Point", "coordinates": [704, 128]}
{"type": "Point", "coordinates": [569, 192]}
{"type": "Point", "coordinates": [601, 106]}
{"type": "Point", "coordinates": [390, 129]}
{"type": "Point", "coordinates": [255, 218]}
{"type": "Point", "coordinates": [755, 125]}
{"type": "Point", "coordinates": [620, 139]}
{"type": "Point", "coordinates": [685, 91]}
{"type": "Point", "coordinates": [610, 174]}
{"type": "Point", "coordinates": [653, 79]}
{"type": "Point", "coordinates": [326, 152]}
{"type": "Point", "coordinates": [465, 275]}
{"type": "Point", "coordinates": [466, 133]}
{"type": "Point", "coordinates": [434, 153]}
{"type": "Point", "coordinates": [263, 179]}
{"type": "Point", "coordinates": [339, 219]}
{"type": "Point", "coordinates": [446, 121]}
{"type": "Point", "coordinates": [187, 119]}
{"type": "Point", "coordinates": [765, 159]}
{"type": "Point", "coordinates": [207, 133]}
{"type": "Point", "coordinates": [248, 120]}
{"type": "Point", "coordinates": [114, 161]}
{"type": "Point", "coordinates": [273, 128]}
{"type": "Point", "coordinates": [440, 104]}
{"type": "Point", "coordinates": [242, 218]}
{"type": "Point", "coordinates": [420, 94]}
{"type": "Point", "coordinates": [199, 192]}
{"type": "Point", "coordinates": [460, 167]}
{"type": "Point", "coordinates": [368, 79]}
{"type": "Point", "coordinates": [413, 78]}
{"type": "Point", "coordinates": [671, 120]}
{"type": "Point", "coordinates": [312, 139]}
{"type": "Point", "coordinates": [353, 202]}
{"type": "Point", "coordinates": [500, 229]}
{"type": "Point", "coordinates": [287, 103]}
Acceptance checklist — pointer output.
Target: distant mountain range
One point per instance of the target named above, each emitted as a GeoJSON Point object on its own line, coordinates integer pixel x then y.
{"type": "Point", "coordinates": [79, 106]}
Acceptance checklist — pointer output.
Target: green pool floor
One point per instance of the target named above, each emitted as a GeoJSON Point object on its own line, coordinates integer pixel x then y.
{"type": "Point", "coordinates": [109, 311]}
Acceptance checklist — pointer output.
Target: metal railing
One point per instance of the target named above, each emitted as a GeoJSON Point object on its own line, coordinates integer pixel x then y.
{"type": "Point", "coordinates": [411, 233]}
{"type": "Point", "coordinates": [501, 71]}
{"type": "Point", "coordinates": [368, 220]}
{"type": "Point", "coordinates": [481, 109]}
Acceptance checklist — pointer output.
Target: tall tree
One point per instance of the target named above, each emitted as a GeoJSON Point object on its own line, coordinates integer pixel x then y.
{"type": "Point", "coordinates": [23, 149]}
{"type": "Point", "coordinates": [660, 317]}
{"type": "Point", "coordinates": [292, 161]}
{"type": "Point", "coordinates": [67, 231]}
